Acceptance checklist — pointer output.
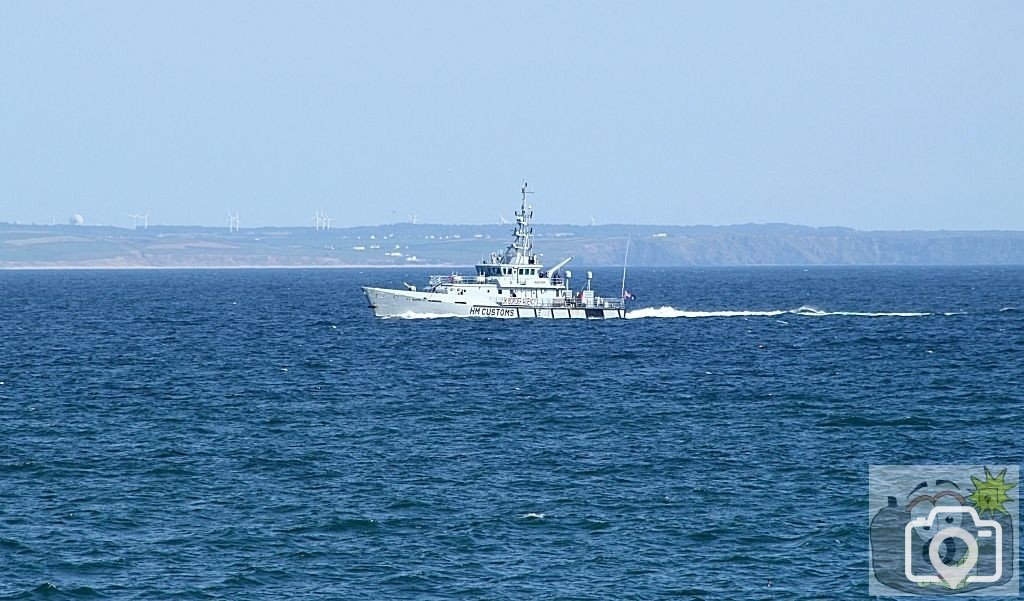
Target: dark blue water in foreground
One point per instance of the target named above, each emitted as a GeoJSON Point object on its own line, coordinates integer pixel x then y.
{"type": "Point", "coordinates": [259, 435]}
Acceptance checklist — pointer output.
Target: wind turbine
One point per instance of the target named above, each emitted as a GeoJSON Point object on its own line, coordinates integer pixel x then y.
{"type": "Point", "coordinates": [145, 221]}
{"type": "Point", "coordinates": [317, 220]}
{"type": "Point", "coordinates": [412, 218]}
{"type": "Point", "coordinates": [233, 225]}
{"type": "Point", "coordinates": [135, 219]}
{"type": "Point", "coordinates": [502, 220]}
{"type": "Point", "coordinates": [592, 220]}
{"type": "Point", "coordinates": [327, 221]}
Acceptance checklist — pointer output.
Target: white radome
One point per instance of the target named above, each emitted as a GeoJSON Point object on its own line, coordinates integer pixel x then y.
{"type": "Point", "coordinates": [76, 219]}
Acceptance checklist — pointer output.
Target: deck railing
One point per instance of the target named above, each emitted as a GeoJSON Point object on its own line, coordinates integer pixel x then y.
{"type": "Point", "coordinates": [570, 302]}
{"type": "Point", "coordinates": [573, 303]}
{"type": "Point", "coordinates": [454, 278]}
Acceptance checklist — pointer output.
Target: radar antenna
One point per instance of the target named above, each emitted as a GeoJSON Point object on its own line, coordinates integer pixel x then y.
{"type": "Point", "coordinates": [521, 250]}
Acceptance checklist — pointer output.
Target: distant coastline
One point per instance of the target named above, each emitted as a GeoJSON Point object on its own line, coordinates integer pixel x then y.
{"type": "Point", "coordinates": [202, 267]}
{"type": "Point", "coordinates": [442, 246]}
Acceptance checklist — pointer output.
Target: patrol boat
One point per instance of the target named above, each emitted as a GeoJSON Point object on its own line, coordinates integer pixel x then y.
{"type": "Point", "coordinates": [507, 285]}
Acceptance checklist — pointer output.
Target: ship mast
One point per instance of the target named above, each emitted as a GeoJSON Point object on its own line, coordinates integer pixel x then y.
{"type": "Point", "coordinates": [521, 249]}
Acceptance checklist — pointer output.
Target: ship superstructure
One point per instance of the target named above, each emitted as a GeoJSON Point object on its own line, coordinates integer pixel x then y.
{"type": "Point", "coordinates": [511, 285]}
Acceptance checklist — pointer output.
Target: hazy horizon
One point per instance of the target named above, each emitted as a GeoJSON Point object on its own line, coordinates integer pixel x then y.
{"type": "Point", "coordinates": [538, 224]}
{"type": "Point", "coordinates": [875, 117]}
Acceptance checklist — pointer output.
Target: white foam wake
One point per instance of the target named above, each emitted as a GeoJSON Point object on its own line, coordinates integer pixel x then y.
{"type": "Point", "coordinates": [805, 311]}
{"type": "Point", "coordinates": [666, 312]}
{"type": "Point", "coordinates": [673, 312]}
{"type": "Point", "coordinates": [815, 312]}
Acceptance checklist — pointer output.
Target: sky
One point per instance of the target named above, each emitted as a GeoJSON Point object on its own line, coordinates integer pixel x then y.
{"type": "Point", "coordinates": [871, 115]}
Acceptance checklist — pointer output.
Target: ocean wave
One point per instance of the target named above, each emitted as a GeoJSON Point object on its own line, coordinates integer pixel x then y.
{"type": "Point", "coordinates": [805, 311]}
{"type": "Point", "coordinates": [351, 525]}
{"type": "Point", "coordinates": [867, 422]}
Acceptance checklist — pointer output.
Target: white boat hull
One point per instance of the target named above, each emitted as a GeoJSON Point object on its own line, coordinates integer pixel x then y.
{"type": "Point", "coordinates": [387, 302]}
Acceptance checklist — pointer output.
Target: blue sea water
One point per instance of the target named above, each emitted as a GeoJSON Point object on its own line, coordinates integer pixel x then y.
{"type": "Point", "coordinates": [258, 434]}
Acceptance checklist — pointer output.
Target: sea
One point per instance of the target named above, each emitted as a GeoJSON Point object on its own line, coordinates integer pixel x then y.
{"type": "Point", "coordinates": [259, 434]}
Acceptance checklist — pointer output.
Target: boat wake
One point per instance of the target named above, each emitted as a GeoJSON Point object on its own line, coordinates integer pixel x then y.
{"type": "Point", "coordinates": [805, 311]}
{"type": "Point", "coordinates": [673, 312]}
{"type": "Point", "coordinates": [814, 312]}
{"type": "Point", "coordinates": [667, 312]}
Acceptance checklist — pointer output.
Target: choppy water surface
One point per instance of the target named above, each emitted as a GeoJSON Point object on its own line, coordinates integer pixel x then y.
{"type": "Point", "coordinates": [250, 434]}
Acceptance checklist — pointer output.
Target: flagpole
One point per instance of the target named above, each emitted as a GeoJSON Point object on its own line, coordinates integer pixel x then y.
{"type": "Point", "coordinates": [625, 260]}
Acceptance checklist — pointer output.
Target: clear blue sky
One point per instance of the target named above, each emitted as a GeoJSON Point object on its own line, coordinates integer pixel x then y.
{"type": "Point", "coordinates": [873, 115]}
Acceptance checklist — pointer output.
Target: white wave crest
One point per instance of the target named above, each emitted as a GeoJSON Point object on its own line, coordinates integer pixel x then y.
{"type": "Point", "coordinates": [815, 312]}
{"type": "Point", "coordinates": [673, 312]}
